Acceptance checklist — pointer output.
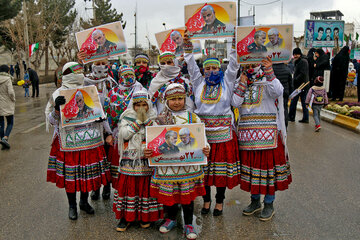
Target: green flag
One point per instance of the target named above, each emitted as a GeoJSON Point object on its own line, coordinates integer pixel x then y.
{"type": "Point", "coordinates": [349, 36]}
{"type": "Point", "coordinates": [357, 36]}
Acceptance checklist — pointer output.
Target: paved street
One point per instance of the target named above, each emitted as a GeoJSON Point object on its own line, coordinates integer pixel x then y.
{"type": "Point", "coordinates": [323, 201]}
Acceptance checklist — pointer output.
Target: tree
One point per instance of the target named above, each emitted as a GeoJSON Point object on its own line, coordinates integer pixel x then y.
{"type": "Point", "coordinates": [104, 13]}
{"type": "Point", "coordinates": [9, 9]}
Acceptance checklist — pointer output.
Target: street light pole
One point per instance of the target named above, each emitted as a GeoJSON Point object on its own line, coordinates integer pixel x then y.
{"type": "Point", "coordinates": [164, 24]}
{"type": "Point", "coordinates": [26, 34]}
{"type": "Point", "coordinates": [238, 13]}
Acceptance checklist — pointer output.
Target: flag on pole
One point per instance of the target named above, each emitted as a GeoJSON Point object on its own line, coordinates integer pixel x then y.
{"type": "Point", "coordinates": [357, 36]}
{"type": "Point", "coordinates": [33, 48]}
{"type": "Point", "coordinates": [205, 52]}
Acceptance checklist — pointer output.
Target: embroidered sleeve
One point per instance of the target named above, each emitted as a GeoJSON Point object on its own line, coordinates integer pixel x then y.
{"type": "Point", "coordinates": [54, 118]}
{"type": "Point", "coordinates": [195, 76]}
{"type": "Point", "coordinates": [232, 69]}
{"type": "Point", "coordinates": [134, 126]}
{"type": "Point", "coordinates": [148, 122]}
{"type": "Point", "coordinates": [269, 74]}
{"type": "Point", "coordinates": [188, 47]}
{"type": "Point", "coordinates": [240, 90]}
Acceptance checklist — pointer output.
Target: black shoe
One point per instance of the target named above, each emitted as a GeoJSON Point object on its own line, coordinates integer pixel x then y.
{"type": "Point", "coordinates": [205, 211]}
{"type": "Point", "coordinates": [106, 192]}
{"type": "Point", "coordinates": [122, 225]}
{"type": "Point", "coordinates": [218, 212]}
{"type": "Point", "coordinates": [268, 212]}
{"type": "Point", "coordinates": [291, 120]}
{"type": "Point", "coordinates": [304, 121]}
{"type": "Point", "coordinates": [254, 207]}
{"type": "Point", "coordinates": [5, 143]}
{"type": "Point", "coordinates": [73, 215]}
{"type": "Point", "coordinates": [95, 195]}
{"type": "Point", "coordinates": [86, 207]}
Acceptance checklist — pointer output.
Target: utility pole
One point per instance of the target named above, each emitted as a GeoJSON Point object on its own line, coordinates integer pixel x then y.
{"type": "Point", "coordinates": [254, 14]}
{"type": "Point", "coordinates": [282, 11]}
{"type": "Point", "coordinates": [135, 30]}
{"type": "Point", "coordinates": [238, 22]}
{"type": "Point", "coordinates": [26, 34]}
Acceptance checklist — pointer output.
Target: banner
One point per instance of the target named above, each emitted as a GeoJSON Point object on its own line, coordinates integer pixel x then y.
{"type": "Point", "coordinates": [102, 41]}
{"type": "Point", "coordinates": [210, 20]}
{"type": "Point", "coordinates": [255, 43]}
{"type": "Point", "coordinates": [176, 145]}
{"type": "Point", "coordinates": [172, 41]}
{"type": "Point", "coordinates": [322, 33]}
{"type": "Point", "coordinates": [82, 106]}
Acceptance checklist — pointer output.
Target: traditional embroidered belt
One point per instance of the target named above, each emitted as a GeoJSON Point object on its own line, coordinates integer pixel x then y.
{"type": "Point", "coordinates": [211, 121]}
{"type": "Point", "coordinates": [219, 136]}
{"type": "Point", "coordinates": [258, 131]}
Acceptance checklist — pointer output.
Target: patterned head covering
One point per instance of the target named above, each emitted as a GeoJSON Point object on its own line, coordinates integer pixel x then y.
{"type": "Point", "coordinates": [174, 90]}
{"type": "Point", "coordinates": [140, 96]}
{"type": "Point", "coordinates": [141, 57]}
{"type": "Point", "coordinates": [126, 70]}
{"type": "Point", "coordinates": [211, 62]}
{"type": "Point", "coordinates": [165, 56]}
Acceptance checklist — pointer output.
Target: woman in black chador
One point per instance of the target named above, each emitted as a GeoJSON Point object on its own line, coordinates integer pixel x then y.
{"type": "Point", "coordinates": [339, 73]}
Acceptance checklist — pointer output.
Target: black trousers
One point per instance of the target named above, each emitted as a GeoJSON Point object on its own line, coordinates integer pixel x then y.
{"type": "Point", "coordinates": [72, 198]}
{"type": "Point", "coordinates": [35, 88]}
{"type": "Point", "coordinates": [220, 194]}
{"type": "Point", "coordinates": [188, 211]}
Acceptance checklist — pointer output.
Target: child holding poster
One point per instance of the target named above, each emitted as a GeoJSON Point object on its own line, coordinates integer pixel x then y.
{"type": "Point", "coordinates": [177, 185]}
{"type": "Point", "coordinates": [83, 168]}
{"type": "Point", "coordinates": [262, 137]}
{"type": "Point", "coordinates": [214, 91]}
{"type": "Point", "coordinates": [132, 199]}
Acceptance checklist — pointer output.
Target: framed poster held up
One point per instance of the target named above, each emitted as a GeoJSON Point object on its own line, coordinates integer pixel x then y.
{"type": "Point", "coordinates": [176, 145]}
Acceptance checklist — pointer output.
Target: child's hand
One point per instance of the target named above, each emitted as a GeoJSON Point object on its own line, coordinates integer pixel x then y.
{"type": "Point", "coordinates": [81, 55]}
{"type": "Point", "coordinates": [266, 62]}
{"type": "Point", "coordinates": [148, 153]}
{"type": "Point", "coordinates": [110, 140]}
{"type": "Point", "coordinates": [206, 151]}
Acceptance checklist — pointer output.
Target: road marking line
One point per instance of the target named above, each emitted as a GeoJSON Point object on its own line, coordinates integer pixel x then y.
{"type": "Point", "coordinates": [33, 128]}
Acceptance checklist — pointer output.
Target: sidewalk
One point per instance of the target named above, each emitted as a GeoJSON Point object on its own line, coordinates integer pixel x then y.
{"type": "Point", "coordinates": [337, 118]}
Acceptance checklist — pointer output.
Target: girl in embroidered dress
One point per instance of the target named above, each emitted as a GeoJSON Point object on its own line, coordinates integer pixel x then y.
{"type": "Point", "coordinates": [169, 73]}
{"type": "Point", "coordinates": [262, 137]}
{"type": "Point", "coordinates": [100, 78]}
{"type": "Point", "coordinates": [115, 104]}
{"type": "Point", "coordinates": [213, 93]}
{"type": "Point", "coordinates": [177, 185]}
{"type": "Point", "coordinates": [132, 199]}
{"type": "Point", "coordinates": [81, 167]}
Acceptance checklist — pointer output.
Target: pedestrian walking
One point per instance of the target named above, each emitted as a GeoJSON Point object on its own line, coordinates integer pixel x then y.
{"type": "Point", "coordinates": [17, 71]}
{"type": "Point", "coordinates": [322, 62]}
{"type": "Point", "coordinates": [213, 93]}
{"type": "Point", "coordinates": [132, 200]}
{"type": "Point", "coordinates": [301, 76]}
{"type": "Point", "coordinates": [34, 79]}
{"type": "Point", "coordinates": [317, 99]}
{"type": "Point", "coordinates": [12, 70]}
{"type": "Point", "coordinates": [262, 137]}
{"type": "Point", "coordinates": [173, 185]}
{"type": "Point", "coordinates": [26, 84]}
{"type": "Point", "coordinates": [81, 170]}
{"type": "Point", "coordinates": [7, 106]}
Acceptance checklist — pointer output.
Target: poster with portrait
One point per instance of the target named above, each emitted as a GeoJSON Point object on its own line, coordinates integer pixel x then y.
{"type": "Point", "coordinates": [82, 106]}
{"type": "Point", "coordinates": [176, 145]}
{"type": "Point", "coordinates": [211, 20]}
{"type": "Point", "coordinates": [102, 41]}
{"type": "Point", "coordinates": [172, 41]}
{"type": "Point", "coordinates": [323, 33]}
{"type": "Point", "coordinates": [254, 43]}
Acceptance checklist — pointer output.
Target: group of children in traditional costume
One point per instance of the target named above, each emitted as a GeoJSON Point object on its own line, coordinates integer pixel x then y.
{"type": "Point", "coordinates": [250, 152]}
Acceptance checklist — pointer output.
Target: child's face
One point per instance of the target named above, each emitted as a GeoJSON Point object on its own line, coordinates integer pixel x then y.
{"type": "Point", "coordinates": [176, 104]}
{"type": "Point", "coordinates": [139, 105]}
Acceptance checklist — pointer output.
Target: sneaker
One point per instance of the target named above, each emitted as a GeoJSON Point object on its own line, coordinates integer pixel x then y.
{"type": "Point", "coordinates": [122, 225]}
{"type": "Point", "coordinates": [254, 207]}
{"type": "Point", "coordinates": [144, 225]}
{"type": "Point", "coordinates": [190, 232]}
{"type": "Point", "coordinates": [317, 128]}
{"type": "Point", "coordinates": [167, 226]}
{"type": "Point", "coordinates": [5, 143]}
{"type": "Point", "coordinates": [268, 212]}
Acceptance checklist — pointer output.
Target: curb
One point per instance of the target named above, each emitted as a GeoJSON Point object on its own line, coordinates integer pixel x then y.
{"type": "Point", "coordinates": [337, 119]}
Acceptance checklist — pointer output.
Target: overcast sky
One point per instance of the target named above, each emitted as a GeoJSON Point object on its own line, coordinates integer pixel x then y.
{"type": "Point", "coordinates": [151, 14]}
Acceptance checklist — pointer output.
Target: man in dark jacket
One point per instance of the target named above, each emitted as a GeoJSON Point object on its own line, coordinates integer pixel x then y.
{"type": "Point", "coordinates": [283, 73]}
{"type": "Point", "coordinates": [301, 75]}
{"type": "Point", "coordinates": [34, 82]}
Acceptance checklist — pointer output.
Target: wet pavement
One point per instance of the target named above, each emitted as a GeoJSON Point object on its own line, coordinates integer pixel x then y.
{"type": "Point", "coordinates": [323, 201]}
